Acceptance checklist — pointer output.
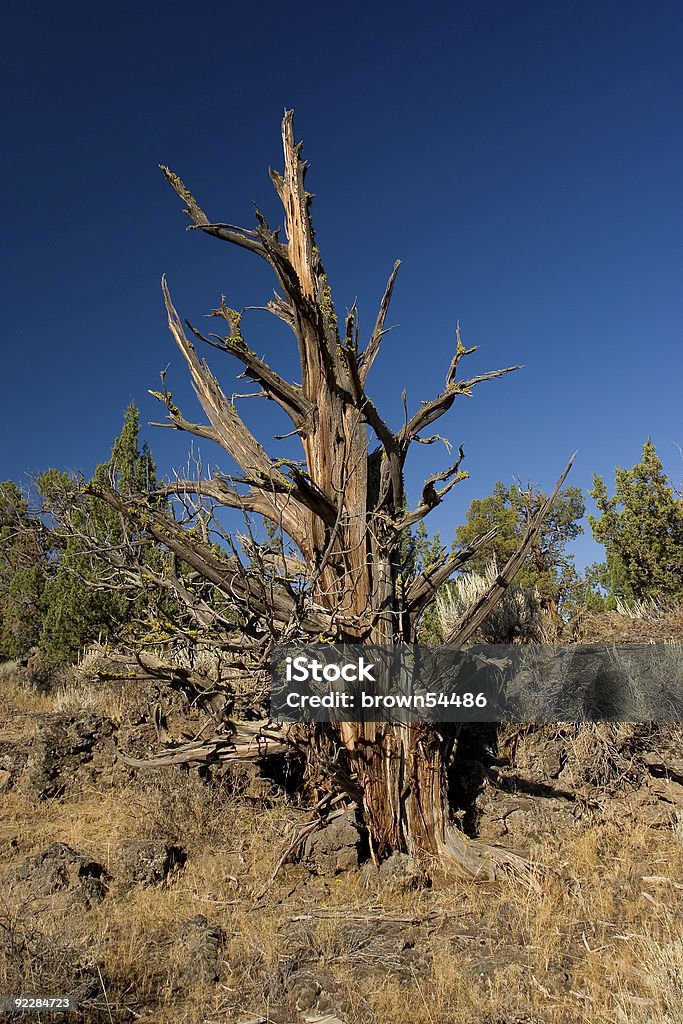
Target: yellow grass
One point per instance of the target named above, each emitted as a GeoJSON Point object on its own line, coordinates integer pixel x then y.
{"type": "Point", "coordinates": [600, 941]}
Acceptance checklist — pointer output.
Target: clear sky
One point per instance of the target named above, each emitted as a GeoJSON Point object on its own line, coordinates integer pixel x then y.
{"type": "Point", "coordinates": [523, 159]}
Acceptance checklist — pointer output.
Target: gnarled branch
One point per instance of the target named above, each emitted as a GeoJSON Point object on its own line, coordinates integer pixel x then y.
{"type": "Point", "coordinates": [433, 410]}
{"type": "Point", "coordinates": [368, 356]}
{"type": "Point", "coordinates": [424, 588]}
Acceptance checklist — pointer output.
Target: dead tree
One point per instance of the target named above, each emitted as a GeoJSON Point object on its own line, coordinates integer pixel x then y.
{"type": "Point", "coordinates": [343, 507]}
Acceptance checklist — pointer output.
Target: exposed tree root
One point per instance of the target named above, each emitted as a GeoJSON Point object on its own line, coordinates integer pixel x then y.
{"type": "Point", "coordinates": [478, 860]}
{"type": "Point", "coordinates": [456, 853]}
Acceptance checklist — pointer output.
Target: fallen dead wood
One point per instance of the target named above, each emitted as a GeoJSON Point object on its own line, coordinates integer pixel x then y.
{"type": "Point", "coordinates": [377, 914]}
{"type": "Point", "coordinates": [249, 742]}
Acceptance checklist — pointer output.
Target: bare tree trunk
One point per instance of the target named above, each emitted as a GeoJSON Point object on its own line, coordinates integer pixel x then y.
{"type": "Point", "coordinates": [343, 508]}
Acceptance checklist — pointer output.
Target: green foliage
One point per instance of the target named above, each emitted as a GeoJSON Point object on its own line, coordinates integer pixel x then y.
{"type": "Point", "coordinates": [131, 470]}
{"type": "Point", "coordinates": [275, 538]}
{"type": "Point", "coordinates": [417, 553]}
{"type": "Point", "coordinates": [548, 567]}
{"type": "Point", "coordinates": [641, 527]}
{"type": "Point", "coordinates": [79, 604]}
{"type": "Point", "coordinates": [23, 569]}
{"type": "Point", "coordinates": [23, 610]}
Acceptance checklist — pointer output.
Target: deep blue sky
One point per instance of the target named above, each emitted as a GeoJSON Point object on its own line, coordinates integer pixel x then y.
{"type": "Point", "coordinates": [523, 159]}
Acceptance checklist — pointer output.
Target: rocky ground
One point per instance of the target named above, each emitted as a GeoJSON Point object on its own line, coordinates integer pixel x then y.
{"type": "Point", "coordinates": [149, 895]}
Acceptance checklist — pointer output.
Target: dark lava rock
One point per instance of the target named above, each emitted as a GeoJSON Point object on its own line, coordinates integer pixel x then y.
{"type": "Point", "coordinates": [149, 862]}
{"type": "Point", "coordinates": [336, 847]}
{"type": "Point", "coordinates": [59, 868]}
{"type": "Point", "coordinates": [402, 874]}
{"type": "Point", "coordinates": [70, 752]}
{"type": "Point", "coordinates": [201, 942]}
{"type": "Point", "coordinates": [398, 873]}
{"type": "Point", "coordinates": [315, 995]}
{"type": "Point", "coordinates": [12, 764]}
{"type": "Point", "coordinates": [306, 993]}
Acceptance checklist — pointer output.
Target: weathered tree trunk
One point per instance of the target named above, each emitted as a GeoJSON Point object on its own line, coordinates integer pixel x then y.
{"type": "Point", "coordinates": [405, 786]}
{"type": "Point", "coordinates": [344, 509]}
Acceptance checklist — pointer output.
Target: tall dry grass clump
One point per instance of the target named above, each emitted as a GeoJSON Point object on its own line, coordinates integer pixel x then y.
{"type": "Point", "coordinates": [517, 618]}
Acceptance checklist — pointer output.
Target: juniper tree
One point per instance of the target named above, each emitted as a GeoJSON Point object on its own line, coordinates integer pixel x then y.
{"type": "Point", "coordinates": [641, 526]}
{"type": "Point", "coordinates": [342, 511]}
{"type": "Point", "coordinates": [82, 602]}
{"type": "Point", "coordinates": [24, 568]}
{"type": "Point", "coordinates": [548, 568]}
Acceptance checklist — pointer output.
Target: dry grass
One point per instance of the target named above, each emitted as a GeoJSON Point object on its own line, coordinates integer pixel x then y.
{"type": "Point", "coordinates": [518, 617]}
{"type": "Point", "coordinates": [599, 942]}
{"type": "Point", "coordinates": [79, 695]}
{"type": "Point", "coordinates": [17, 696]}
{"type": "Point", "coordinates": [648, 610]}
